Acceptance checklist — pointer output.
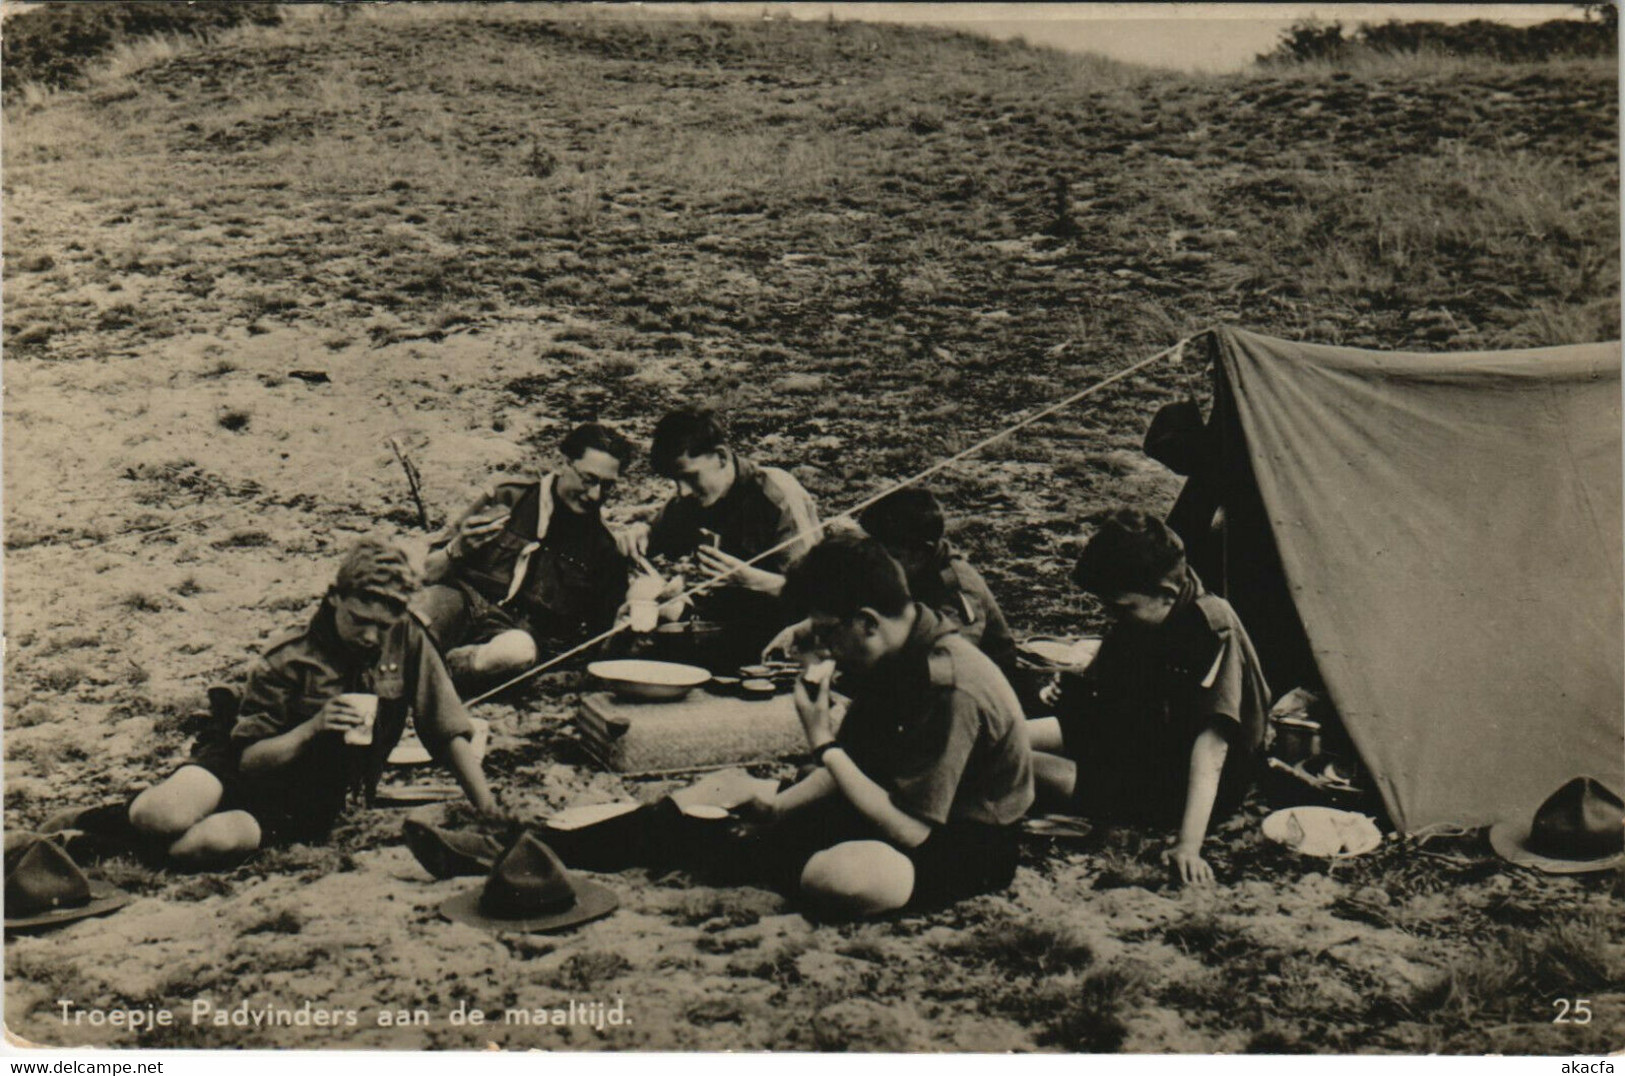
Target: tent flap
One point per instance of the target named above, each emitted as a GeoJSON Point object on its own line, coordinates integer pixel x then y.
{"type": "Point", "coordinates": [1449, 527]}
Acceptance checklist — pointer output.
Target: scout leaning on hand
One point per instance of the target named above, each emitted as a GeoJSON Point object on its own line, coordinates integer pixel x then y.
{"type": "Point", "coordinates": [283, 772]}
{"type": "Point", "coordinates": [1166, 726]}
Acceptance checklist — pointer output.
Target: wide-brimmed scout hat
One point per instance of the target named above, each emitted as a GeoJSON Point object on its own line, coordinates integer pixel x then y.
{"type": "Point", "coordinates": [529, 891]}
{"type": "Point", "coordinates": [1580, 827]}
{"type": "Point", "coordinates": [45, 887]}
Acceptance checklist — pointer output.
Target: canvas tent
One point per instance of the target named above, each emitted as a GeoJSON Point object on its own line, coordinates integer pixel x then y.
{"type": "Point", "coordinates": [1436, 540]}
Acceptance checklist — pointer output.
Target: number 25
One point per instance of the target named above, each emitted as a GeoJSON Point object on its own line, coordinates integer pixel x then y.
{"type": "Point", "coordinates": [1580, 1008]}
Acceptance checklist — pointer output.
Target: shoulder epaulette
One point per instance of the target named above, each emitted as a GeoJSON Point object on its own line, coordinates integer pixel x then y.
{"type": "Point", "coordinates": [1213, 613]}
{"type": "Point", "coordinates": [940, 663]}
{"type": "Point", "coordinates": [286, 638]}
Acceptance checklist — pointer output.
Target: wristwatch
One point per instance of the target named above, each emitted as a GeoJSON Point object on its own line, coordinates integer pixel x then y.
{"type": "Point", "coordinates": [823, 749]}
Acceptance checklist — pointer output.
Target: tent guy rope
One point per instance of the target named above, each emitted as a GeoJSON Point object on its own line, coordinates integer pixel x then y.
{"type": "Point", "coordinates": [1175, 349]}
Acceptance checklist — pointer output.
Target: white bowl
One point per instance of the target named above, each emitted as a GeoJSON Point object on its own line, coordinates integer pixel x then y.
{"type": "Point", "coordinates": [634, 678]}
{"type": "Point", "coordinates": [1061, 653]}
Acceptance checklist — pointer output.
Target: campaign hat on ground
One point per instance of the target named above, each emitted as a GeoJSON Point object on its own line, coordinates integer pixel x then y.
{"type": "Point", "coordinates": [1580, 827]}
{"type": "Point", "coordinates": [45, 887]}
{"type": "Point", "coordinates": [530, 891]}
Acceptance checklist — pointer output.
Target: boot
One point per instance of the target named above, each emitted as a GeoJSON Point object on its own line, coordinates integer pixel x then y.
{"type": "Point", "coordinates": [446, 853]}
{"type": "Point", "coordinates": [108, 820]}
{"type": "Point", "coordinates": [92, 833]}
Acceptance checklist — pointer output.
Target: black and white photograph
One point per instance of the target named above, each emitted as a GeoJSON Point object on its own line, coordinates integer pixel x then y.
{"type": "Point", "coordinates": [813, 527]}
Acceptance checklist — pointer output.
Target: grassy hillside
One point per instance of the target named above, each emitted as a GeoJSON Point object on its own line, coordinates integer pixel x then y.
{"type": "Point", "coordinates": [874, 245]}
{"type": "Point", "coordinates": [973, 226]}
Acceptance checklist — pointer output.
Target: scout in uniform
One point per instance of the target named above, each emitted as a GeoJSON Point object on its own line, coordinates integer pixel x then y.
{"type": "Point", "coordinates": [910, 524]}
{"type": "Point", "coordinates": [727, 510]}
{"type": "Point", "coordinates": [530, 565]}
{"type": "Point", "coordinates": [1166, 725]}
{"type": "Point", "coordinates": [284, 769]}
{"type": "Point", "coordinates": [915, 802]}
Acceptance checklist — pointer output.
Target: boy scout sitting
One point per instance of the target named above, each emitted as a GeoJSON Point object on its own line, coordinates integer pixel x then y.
{"type": "Point", "coordinates": [283, 772]}
{"type": "Point", "coordinates": [1165, 726]}
{"type": "Point", "coordinates": [915, 802]}
{"type": "Point", "coordinates": [910, 525]}
{"type": "Point", "coordinates": [530, 564]}
{"type": "Point", "coordinates": [727, 510]}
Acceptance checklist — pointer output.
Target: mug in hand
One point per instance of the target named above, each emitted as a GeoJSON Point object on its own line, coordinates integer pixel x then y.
{"type": "Point", "coordinates": [367, 705]}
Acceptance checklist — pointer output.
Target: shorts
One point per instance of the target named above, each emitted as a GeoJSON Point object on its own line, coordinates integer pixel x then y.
{"type": "Point", "coordinates": [458, 615]}
{"type": "Point", "coordinates": [287, 812]}
{"type": "Point", "coordinates": [959, 859]}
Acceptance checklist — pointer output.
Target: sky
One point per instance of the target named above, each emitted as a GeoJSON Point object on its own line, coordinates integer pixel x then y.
{"type": "Point", "coordinates": [1188, 37]}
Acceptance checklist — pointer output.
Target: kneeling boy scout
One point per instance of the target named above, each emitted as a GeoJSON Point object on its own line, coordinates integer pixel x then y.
{"type": "Point", "coordinates": [284, 771]}
{"type": "Point", "coordinates": [1165, 726]}
{"type": "Point", "coordinates": [915, 802]}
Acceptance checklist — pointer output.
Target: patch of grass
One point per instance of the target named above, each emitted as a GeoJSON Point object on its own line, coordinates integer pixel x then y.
{"type": "Point", "coordinates": [286, 921]}
{"type": "Point", "coordinates": [722, 909]}
{"type": "Point", "coordinates": [35, 713]}
{"type": "Point", "coordinates": [202, 887]}
{"type": "Point", "coordinates": [1121, 871]}
{"type": "Point", "coordinates": [1019, 949]}
{"type": "Point", "coordinates": [56, 644]}
{"type": "Point", "coordinates": [1207, 938]}
{"type": "Point", "coordinates": [1088, 1019]}
{"type": "Point", "coordinates": [1518, 972]}
{"type": "Point", "coordinates": [235, 419]}
{"type": "Point", "coordinates": [589, 969]}
{"type": "Point", "coordinates": [62, 677]}
{"type": "Point", "coordinates": [117, 316]}
{"type": "Point", "coordinates": [140, 601]}
{"type": "Point", "coordinates": [184, 481]}
{"type": "Point", "coordinates": [1276, 1040]}
{"type": "Point", "coordinates": [612, 368]}
{"type": "Point", "coordinates": [864, 950]}
{"type": "Point", "coordinates": [53, 45]}
{"type": "Point", "coordinates": [290, 603]}
{"type": "Point", "coordinates": [782, 967]}
{"type": "Point", "coordinates": [243, 539]}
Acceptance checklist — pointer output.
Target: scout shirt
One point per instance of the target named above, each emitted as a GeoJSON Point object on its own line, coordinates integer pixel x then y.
{"type": "Point", "coordinates": [937, 726]}
{"type": "Point", "coordinates": [1131, 719]}
{"type": "Point", "coordinates": [764, 507]}
{"type": "Point", "coordinates": [561, 572]}
{"type": "Point", "coordinates": [305, 668]}
{"type": "Point", "coordinates": [955, 589]}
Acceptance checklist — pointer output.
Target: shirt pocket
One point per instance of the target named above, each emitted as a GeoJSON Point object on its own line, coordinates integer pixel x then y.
{"type": "Point", "coordinates": [389, 678]}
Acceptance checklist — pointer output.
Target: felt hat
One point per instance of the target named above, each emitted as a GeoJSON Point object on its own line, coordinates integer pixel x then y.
{"type": "Point", "coordinates": [1580, 827]}
{"type": "Point", "coordinates": [45, 887]}
{"type": "Point", "coordinates": [530, 892]}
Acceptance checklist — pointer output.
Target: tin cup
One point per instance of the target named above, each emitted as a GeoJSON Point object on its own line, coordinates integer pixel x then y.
{"type": "Point", "coordinates": [361, 735]}
{"type": "Point", "coordinates": [645, 614]}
